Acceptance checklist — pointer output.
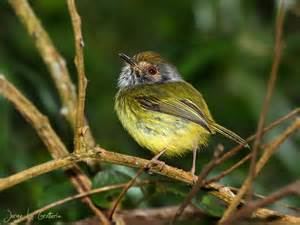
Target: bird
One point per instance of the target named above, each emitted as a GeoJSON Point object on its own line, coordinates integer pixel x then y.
{"type": "Point", "coordinates": [161, 111]}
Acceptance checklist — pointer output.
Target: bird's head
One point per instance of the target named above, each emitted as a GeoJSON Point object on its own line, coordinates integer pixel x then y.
{"type": "Point", "coordinates": [146, 68]}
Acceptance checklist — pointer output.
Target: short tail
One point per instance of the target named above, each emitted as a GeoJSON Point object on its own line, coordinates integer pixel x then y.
{"type": "Point", "coordinates": [229, 134]}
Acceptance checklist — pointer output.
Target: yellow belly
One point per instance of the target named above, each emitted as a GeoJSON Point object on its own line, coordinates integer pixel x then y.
{"type": "Point", "coordinates": [158, 131]}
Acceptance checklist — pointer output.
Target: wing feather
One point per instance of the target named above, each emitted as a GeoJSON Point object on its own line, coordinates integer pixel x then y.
{"type": "Point", "coordinates": [182, 108]}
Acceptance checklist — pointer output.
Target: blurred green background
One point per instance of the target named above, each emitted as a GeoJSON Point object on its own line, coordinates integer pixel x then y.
{"type": "Point", "coordinates": [224, 48]}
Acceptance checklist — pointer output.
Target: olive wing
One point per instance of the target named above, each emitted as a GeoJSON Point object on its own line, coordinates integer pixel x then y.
{"type": "Point", "coordinates": [175, 106]}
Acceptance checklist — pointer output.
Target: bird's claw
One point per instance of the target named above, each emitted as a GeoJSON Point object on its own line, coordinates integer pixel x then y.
{"type": "Point", "coordinates": [155, 163]}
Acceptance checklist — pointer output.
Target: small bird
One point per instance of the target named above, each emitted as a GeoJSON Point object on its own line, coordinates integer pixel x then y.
{"type": "Point", "coordinates": [161, 111]}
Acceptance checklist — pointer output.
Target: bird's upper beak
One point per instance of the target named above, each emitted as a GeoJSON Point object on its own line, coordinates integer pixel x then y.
{"type": "Point", "coordinates": [128, 60]}
{"type": "Point", "coordinates": [132, 63]}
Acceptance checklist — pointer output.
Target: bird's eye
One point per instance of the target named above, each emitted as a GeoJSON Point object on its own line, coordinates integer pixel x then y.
{"type": "Point", "coordinates": [152, 70]}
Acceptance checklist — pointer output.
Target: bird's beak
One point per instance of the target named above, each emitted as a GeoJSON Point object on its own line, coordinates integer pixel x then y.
{"type": "Point", "coordinates": [127, 59]}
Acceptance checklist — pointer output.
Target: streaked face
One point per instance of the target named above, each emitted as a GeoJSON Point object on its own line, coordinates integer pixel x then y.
{"type": "Point", "coordinates": [138, 70]}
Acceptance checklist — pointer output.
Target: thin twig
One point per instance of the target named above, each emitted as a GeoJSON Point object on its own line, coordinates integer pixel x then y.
{"type": "Point", "coordinates": [260, 196]}
{"type": "Point", "coordinates": [271, 84]}
{"type": "Point", "coordinates": [270, 87]}
{"type": "Point", "coordinates": [72, 198]}
{"type": "Point", "coordinates": [291, 189]}
{"type": "Point", "coordinates": [82, 81]}
{"type": "Point", "coordinates": [228, 154]}
{"type": "Point", "coordinates": [262, 161]}
{"type": "Point", "coordinates": [131, 183]}
{"type": "Point", "coordinates": [273, 146]}
{"type": "Point", "coordinates": [123, 192]}
{"type": "Point", "coordinates": [229, 170]}
{"type": "Point", "coordinates": [199, 183]}
{"type": "Point", "coordinates": [247, 157]}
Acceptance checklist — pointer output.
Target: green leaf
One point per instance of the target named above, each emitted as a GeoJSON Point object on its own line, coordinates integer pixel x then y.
{"type": "Point", "coordinates": [105, 178]}
{"type": "Point", "coordinates": [165, 193]}
{"type": "Point", "coordinates": [211, 205]}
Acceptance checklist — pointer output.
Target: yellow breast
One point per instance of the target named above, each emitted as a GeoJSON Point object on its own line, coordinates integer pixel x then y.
{"type": "Point", "coordinates": [158, 131]}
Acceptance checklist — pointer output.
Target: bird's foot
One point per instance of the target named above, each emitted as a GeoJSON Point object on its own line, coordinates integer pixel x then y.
{"type": "Point", "coordinates": [155, 163]}
{"type": "Point", "coordinates": [192, 171]}
{"type": "Point", "coordinates": [194, 176]}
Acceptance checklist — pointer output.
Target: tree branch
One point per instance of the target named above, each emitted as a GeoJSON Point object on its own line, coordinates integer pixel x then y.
{"type": "Point", "coordinates": [228, 154]}
{"type": "Point", "coordinates": [36, 119]}
{"type": "Point", "coordinates": [229, 170]}
{"type": "Point", "coordinates": [53, 143]}
{"type": "Point", "coordinates": [199, 183]}
{"type": "Point", "coordinates": [53, 60]}
{"type": "Point", "coordinates": [291, 189]}
{"type": "Point", "coordinates": [72, 198]}
{"type": "Point", "coordinates": [35, 171]}
{"type": "Point", "coordinates": [247, 157]}
{"type": "Point", "coordinates": [262, 161]}
{"type": "Point", "coordinates": [218, 190]}
{"type": "Point", "coordinates": [82, 81]}
{"type": "Point", "coordinates": [271, 84]}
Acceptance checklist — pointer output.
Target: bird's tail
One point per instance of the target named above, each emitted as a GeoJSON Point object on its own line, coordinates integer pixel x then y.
{"type": "Point", "coordinates": [229, 134]}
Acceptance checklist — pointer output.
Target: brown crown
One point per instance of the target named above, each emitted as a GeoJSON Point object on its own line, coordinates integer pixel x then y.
{"type": "Point", "coordinates": [149, 56]}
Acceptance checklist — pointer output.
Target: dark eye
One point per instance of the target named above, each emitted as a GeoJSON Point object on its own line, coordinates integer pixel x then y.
{"type": "Point", "coordinates": [152, 70]}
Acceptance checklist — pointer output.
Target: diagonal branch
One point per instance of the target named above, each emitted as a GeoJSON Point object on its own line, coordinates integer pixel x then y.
{"type": "Point", "coordinates": [291, 189]}
{"type": "Point", "coordinates": [263, 160]}
{"type": "Point", "coordinates": [38, 121]}
{"type": "Point", "coordinates": [271, 84]}
{"type": "Point", "coordinates": [34, 171]}
{"type": "Point", "coordinates": [229, 170]}
{"type": "Point", "coordinates": [228, 154]}
{"type": "Point", "coordinates": [199, 183]}
{"type": "Point", "coordinates": [53, 143]}
{"type": "Point", "coordinates": [282, 137]}
{"type": "Point", "coordinates": [270, 87]}
{"type": "Point", "coordinates": [273, 146]}
{"type": "Point", "coordinates": [53, 60]}
{"type": "Point", "coordinates": [131, 183]}
{"type": "Point", "coordinates": [72, 198]}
